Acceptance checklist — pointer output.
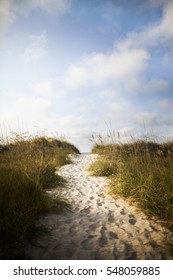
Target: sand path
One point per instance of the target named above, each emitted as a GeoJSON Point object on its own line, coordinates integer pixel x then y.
{"type": "Point", "coordinates": [99, 227]}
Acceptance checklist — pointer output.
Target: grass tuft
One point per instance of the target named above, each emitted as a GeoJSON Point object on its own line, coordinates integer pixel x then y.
{"type": "Point", "coordinates": [27, 169]}
{"type": "Point", "coordinates": [140, 170]}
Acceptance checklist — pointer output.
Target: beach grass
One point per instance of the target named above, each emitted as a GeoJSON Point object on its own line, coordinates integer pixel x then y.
{"type": "Point", "coordinates": [27, 170]}
{"type": "Point", "coordinates": [141, 171]}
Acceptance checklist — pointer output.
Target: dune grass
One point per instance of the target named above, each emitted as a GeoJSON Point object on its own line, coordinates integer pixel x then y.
{"type": "Point", "coordinates": [27, 170]}
{"type": "Point", "coordinates": [142, 171]}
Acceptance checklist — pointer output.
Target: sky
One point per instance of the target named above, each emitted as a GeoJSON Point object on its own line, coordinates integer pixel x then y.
{"type": "Point", "coordinates": [77, 68]}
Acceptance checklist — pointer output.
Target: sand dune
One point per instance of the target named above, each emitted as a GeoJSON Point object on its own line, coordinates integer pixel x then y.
{"type": "Point", "coordinates": [99, 226]}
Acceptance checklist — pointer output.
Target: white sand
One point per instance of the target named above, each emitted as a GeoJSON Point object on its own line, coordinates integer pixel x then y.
{"type": "Point", "coordinates": [99, 227]}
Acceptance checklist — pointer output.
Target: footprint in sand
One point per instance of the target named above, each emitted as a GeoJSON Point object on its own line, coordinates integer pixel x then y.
{"type": "Point", "coordinates": [113, 235]}
{"type": "Point", "coordinates": [93, 227]}
{"type": "Point", "coordinates": [103, 239]}
{"type": "Point", "coordinates": [123, 211]}
{"type": "Point", "coordinates": [111, 218]}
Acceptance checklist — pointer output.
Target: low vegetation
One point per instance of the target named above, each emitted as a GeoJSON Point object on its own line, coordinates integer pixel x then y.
{"type": "Point", "coordinates": [142, 171]}
{"type": "Point", "coordinates": [27, 170]}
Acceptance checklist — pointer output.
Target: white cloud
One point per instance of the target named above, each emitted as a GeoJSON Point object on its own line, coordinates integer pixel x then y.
{"type": "Point", "coordinates": [28, 106]}
{"type": "Point", "coordinates": [118, 112]}
{"type": "Point", "coordinates": [157, 85]}
{"type": "Point", "coordinates": [10, 10]}
{"type": "Point", "coordinates": [129, 59]}
{"type": "Point", "coordinates": [168, 58]}
{"type": "Point", "coordinates": [28, 110]}
{"type": "Point", "coordinates": [120, 107]}
{"type": "Point", "coordinates": [155, 3]}
{"type": "Point", "coordinates": [43, 88]}
{"type": "Point", "coordinates": [117, 65]}
{"type": "Point", "coordinates": [32, 53]}
{"type": "Point", "coordinates": [10, 94]}
{"type": "Point", "coordinates": [167, 120]}
{"type": "Point", "coordinates": [164, 104]}
{"type": "Point", "coordinates": [75, 123]}
{"type": "Point", "coordinates": [150, 86]}
{"type": "Point", "coordinates": [36, 47]}
{"type": "Point", "coordinates": [146, 118]}
{"type": "Point", "coordinates": [7, 16]}
{"type": "Point", "coordinates": [52, 7]}
{"type": "Point", "coordinates": [166, 23]}
{"type": "Point", "coordinates": [76, 77]}
{"type": "Point", "coordinates": [159, 33]}
{"type": "Point", "coordinates": [98, 68]}
{"type": "Point", "coordinates": [110, 93]}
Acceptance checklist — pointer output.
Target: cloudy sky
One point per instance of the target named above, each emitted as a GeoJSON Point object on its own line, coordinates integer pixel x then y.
{"type": "Point", "coordinates": [83, 67]}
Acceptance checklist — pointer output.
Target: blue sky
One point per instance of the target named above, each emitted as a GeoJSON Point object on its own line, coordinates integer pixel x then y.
{"type": "Point", "coordinates": [77, 68]}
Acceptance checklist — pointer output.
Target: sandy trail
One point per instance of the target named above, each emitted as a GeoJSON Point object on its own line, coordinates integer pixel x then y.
{"type": "Point", "coordinates": [99, 227]}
